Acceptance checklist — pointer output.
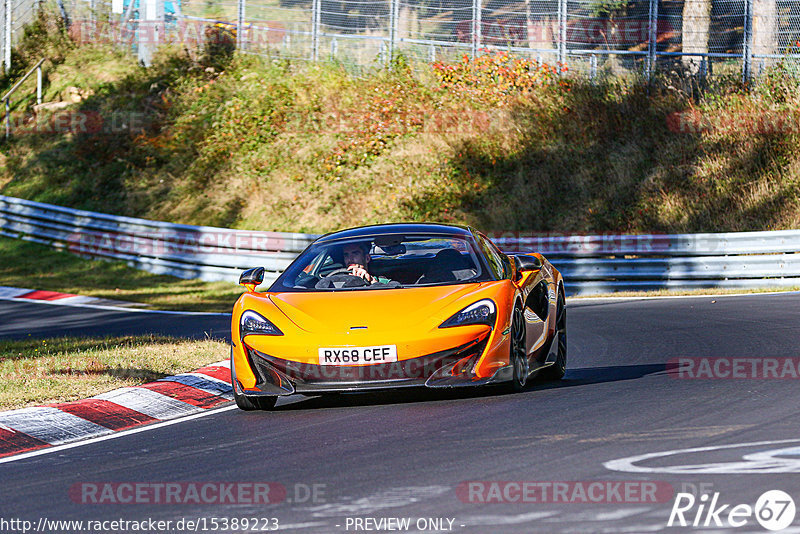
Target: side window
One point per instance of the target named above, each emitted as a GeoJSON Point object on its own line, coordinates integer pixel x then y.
{"type": "Point", "coordinates": [538, 300]}
{"type": "Point", "coordinates": [507, 270]}
{"type": "Point", "coordinates": [495, 260]}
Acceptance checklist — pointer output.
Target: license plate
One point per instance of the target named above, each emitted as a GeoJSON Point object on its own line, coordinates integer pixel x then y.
{"type": "Point", "coordinates": [358, 355]}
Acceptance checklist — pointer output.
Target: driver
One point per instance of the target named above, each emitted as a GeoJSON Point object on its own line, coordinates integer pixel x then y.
{"type": "Point", "coordinates": [356, 258]}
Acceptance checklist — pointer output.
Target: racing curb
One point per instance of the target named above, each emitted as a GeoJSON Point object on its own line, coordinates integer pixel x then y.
{"type": "Point", "coordinates": [39, 427]}
{"type": "Point", "coordinates": [54, 297]}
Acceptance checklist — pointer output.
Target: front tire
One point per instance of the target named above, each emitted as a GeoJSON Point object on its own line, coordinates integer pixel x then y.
{"type": "Point", "coordinates": [559, 368]}
{"type": "Point", "coordinates": [251, 403]}
{"type": "Point", "coordinates": [518, 357]}
{"type": "Point", "coordinates": [246, 402]}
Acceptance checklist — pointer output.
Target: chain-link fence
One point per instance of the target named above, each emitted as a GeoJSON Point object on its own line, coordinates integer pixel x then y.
{"type": "Point", "coordinates": [594, 37]}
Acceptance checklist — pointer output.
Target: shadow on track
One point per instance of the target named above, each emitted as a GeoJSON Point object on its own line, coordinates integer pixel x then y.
{"type": "Point", "coordinates": [573, 378]}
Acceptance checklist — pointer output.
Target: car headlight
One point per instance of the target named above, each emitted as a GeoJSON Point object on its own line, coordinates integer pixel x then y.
{"type": "Point", "coordinates": [253, 323]}
{"type": "Point", "coordinates": [482, 312]}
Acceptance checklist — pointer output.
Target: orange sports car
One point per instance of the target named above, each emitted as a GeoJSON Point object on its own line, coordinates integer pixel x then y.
{"type": "Point", "coordinates": [397, 305]}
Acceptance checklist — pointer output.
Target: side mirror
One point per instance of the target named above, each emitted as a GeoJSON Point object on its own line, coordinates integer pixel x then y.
{"type": "Point", "coordinates": [252, 278]}
{"type": "Point", "coordinates": [527, 263]}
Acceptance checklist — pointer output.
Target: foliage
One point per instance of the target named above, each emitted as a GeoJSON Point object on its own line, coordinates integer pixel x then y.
{"type": "Point", "coordinates": [45, 37]}
{"type": "Point", "coordinates": [495, 141]}
{"type": "Point", "coordinates": [219, 45]}
{"type": "Point", "coordinates": [781, 82]}
{"type": "Point", "coordinates": [493, 77]}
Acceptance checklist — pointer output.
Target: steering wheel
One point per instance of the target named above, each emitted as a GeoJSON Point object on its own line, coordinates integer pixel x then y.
{"type": "Point", "coordinates": [342, 270]}
{"type": "Point", "coordinates": [340, 278]}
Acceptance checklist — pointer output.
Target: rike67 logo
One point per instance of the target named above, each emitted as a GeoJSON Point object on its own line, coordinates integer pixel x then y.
{"type": "Point", "coordinates": [774, 510]}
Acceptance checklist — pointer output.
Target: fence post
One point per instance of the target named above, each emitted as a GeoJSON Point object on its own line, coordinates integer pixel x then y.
{"type": "Point", "coordinates": [393, 14]}
{"type": "Point", "coordinates": [7, 38]}
{"type": "Point", "coordinates": [39, 84]}
{"type": "Point", "coordinates": [2, 37]}
{"type": "Point", "coordinates": [477, 27]}
{"type": "Point", "coordinates": [562, 32]}
{"type": "Point", "coordinates": [64, 14]}
{"type": "Point", "coordinates": [747, 49]}
{"type": "Point", "coordinates": [240, 24]}
{"type": "Point", "coordinates": [315, 9]}
{"type": "Point", "coordinates": [151, 26]}
{"type": "Point", "coordinates": [652, 46]}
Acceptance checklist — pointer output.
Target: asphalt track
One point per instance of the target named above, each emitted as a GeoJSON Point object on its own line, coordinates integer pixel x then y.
{"type": "Point", "coordinates": [21, 318]}
{"type": "Point", "coordinates": [404, 454]}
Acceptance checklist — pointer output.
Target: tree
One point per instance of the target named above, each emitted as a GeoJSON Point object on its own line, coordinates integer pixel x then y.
{"type": "Point", "coordinates": [764, 22]}
{"type": "Point", "coordinates": [696, 24]}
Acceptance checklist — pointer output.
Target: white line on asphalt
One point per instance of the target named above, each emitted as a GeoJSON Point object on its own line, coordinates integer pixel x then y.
{"type": "Point", "coordinates": [115, 435]}
{"type": "Point", "coordinates": [114, 308]}
{"type": "Point", "coordinates": [759, 463]}
{"type": "Point", "coordinates": [703, 296]}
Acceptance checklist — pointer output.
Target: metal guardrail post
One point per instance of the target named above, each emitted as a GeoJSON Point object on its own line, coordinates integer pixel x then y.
{"type": "Point", "coordinates": [747, 48]}
{"type": "Point", "coordinates": [652, 46]}
{"type": "Point", "coordinates": [240, 42]}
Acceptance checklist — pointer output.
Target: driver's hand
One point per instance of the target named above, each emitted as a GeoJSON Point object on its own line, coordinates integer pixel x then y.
{"type": "Point", "coordinates": [360, 271]}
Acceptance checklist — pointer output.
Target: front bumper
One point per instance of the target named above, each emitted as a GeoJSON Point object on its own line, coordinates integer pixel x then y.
{"type": "Point", "coordinates": [448, 368]}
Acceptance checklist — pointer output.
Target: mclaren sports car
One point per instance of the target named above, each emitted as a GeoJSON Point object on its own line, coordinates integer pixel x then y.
{"type": "Point", "coordinates": [398, 305]}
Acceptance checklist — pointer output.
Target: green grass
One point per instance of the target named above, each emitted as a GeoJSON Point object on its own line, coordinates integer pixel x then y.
{"type": "Point", "coordinates": [34, 266]}
{"type": "Point", "coordinates": [67, 369]}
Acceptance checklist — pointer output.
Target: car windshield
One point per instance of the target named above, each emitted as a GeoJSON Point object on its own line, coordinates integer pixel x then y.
{"type": "Point", "coordinates": [390, 261]}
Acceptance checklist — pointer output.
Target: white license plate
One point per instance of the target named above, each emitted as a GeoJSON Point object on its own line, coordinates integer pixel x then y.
{"type": "Point", "coordinates": [358, 355]}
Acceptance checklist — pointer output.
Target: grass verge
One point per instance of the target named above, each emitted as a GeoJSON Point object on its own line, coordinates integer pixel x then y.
{"type": "Point", "coordinates": [35, 266]}
{"type": "Point", "coordinates": [41, 371]}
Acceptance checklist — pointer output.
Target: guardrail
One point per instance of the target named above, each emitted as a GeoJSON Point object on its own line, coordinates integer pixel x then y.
{"type": "Point", "coordinates": [179, 250]}
{"type": "Point", "coordinates": [591, 264]}
{"type": "Point", "coordinates": [608, 263]}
